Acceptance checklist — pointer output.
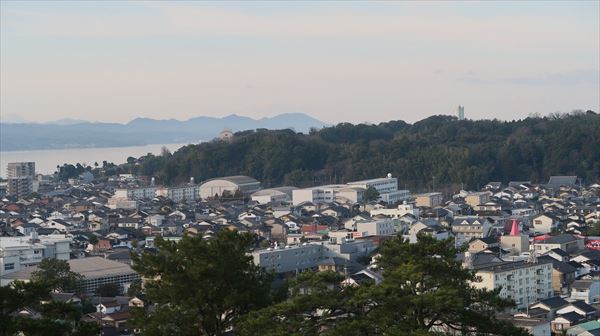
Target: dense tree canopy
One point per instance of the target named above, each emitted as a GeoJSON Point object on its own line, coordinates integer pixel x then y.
{"type": "Point", "coordinates": [200, 287]}
{"type": "Point", "coordinates": [50, 317]}
{"type": "Point", "coordinates": [56, 274]}
{"type": "Point", "coordinates": [465, 153]}
{"type": "Point", "coordinates": [425, 291]}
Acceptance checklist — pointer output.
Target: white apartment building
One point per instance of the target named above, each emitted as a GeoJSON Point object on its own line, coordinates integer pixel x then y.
{"type": "Point", "coordinates": [136, 193]}
{"type": "Point", "coordinates": [21, 252]}
{"type": "Point", "coordinates": [180, 193]}
{"type": "Point", "coordinates": [177, 194]}
{"type": "Point", "coordinates": [524, 282]}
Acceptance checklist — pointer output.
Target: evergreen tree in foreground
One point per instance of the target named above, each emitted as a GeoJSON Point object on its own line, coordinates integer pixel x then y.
{"type": "Point", "coordinates": [211, 287]}
{"type": "Point", "coordinates": [425, 291]}
{"type": "Point", "coordinates": [199, 286]}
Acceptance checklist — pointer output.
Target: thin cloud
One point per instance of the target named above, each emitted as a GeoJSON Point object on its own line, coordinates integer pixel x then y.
{"type": "Point", "coordinates": [162, 19]}
{"type": "Point", "coordinates": [586, 77]}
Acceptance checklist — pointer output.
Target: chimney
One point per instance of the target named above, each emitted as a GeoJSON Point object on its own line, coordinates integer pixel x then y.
{"type": "Point", "coordinates": [514, 231]}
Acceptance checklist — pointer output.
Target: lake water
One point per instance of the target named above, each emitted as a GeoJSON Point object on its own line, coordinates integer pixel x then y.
{"type": "Point", "coordinates": [46, 160]}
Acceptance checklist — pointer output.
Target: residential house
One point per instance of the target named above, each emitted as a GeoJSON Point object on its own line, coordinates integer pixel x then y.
{"type": "Point", "coordinates": [467, 228]}
{"type": "Point", "coordinates": [544, 223]}
{"type": "Point", "coordinates": [587, 290]}
{"type": "Point", "coordinates": [566, 242]}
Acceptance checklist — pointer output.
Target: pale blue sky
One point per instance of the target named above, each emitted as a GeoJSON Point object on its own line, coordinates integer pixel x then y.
{"type": "Point", "coordinates": [337, 61]}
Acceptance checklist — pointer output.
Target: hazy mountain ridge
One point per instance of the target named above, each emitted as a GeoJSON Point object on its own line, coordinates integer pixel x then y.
{"type": "Point", "coordinates": [139, 131]}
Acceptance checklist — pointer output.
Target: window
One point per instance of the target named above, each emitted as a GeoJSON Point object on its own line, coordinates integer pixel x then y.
{"type": "Point", "coordinates": [9, 266]}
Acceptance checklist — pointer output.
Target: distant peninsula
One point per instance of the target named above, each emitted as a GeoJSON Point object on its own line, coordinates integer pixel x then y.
{"type": "Point", "coordinates": [139, 132]}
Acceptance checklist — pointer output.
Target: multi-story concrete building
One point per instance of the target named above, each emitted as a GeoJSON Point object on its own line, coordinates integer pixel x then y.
{"type": "Point", "coordinates": [136, 193]}
{"type": "Point", "coordinates": [188, 192]}
{"type": "Point", "coordinates": [387, 188]}
{"type": "Point", "coordinates": [429, 200]}
{"type": "Point", "coordinates": [296, 258]}
{"type": "Point", "coordinates": [290, 258]}
{"type": "Point", "coordinates": [20, 177]}
{"type": "Point", "coordinates": [524, 282]}
{"type": "Point", "coordinates": [381, 226]}
{"type": "Point", "coordinates": [352, 192]}
{"type": "Point", "coordinates": [17, 253]}
{"type": "Point", "coordinates": [328, 193]}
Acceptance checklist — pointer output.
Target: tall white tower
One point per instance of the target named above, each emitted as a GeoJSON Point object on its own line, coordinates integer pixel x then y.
{"type": "Point", "coordinates": [460, 113]}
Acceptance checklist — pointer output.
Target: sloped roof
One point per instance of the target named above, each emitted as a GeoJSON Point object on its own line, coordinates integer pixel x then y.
{"type": "Point", "coordinates": [562, 180]}
{"type": "Point", "coordinates": [554, 302]}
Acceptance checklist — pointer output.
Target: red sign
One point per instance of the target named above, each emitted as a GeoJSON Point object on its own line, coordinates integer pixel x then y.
{"type": "Point", "coordinates": [593, 244]}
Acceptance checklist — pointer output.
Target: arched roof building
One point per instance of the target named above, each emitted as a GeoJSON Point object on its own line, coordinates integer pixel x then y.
{"type": "Point", "coordinates": [216, 186]}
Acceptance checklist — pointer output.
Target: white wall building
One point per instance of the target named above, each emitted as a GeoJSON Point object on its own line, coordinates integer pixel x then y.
{"type": "Point", "coordinates": [401, 210]}
{"type": "Point", "coordinates": [180, 193]}
{"type": "Point", "coordinates": [20, 252]}
{"type": "Point", "coordinates": [522, 281]}
{"type": "Point", "coordinates": [387, 188]}
{"type": "Point", "coordinates": [136, 193]}
{"type": "Point", "coordinates": [315, 195]}
{"type": "Point", "coordinates": [374, 227]}
{"type": "Point", "coordinates": [352, 192]}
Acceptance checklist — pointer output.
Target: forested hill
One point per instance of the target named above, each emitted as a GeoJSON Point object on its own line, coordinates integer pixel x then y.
{"type": "Point", "coordinates": [454, 153]}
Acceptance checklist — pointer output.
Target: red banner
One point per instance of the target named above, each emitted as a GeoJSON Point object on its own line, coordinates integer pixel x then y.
{"type": "Point", "coordinates": [593, 244]}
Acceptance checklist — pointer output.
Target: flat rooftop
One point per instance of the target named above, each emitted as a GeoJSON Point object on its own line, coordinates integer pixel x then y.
{"type": "Point", "coordinates": [90, 268]}
{"type": "Point", "coordinates": [378, 179]}
{"type": "Point", "coordinates": [510, 265]}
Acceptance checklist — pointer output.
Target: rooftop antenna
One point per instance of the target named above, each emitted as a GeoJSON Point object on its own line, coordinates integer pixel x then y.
{"type": "Point", "coordinates": [532, 254]}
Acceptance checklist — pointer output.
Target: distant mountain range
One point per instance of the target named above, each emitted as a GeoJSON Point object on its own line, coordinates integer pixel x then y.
{"type": "Point", "coordinates": [140, 131]}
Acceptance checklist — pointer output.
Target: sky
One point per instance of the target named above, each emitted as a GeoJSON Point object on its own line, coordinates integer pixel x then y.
{"type": "Point", "coordinates": [113, 61]}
